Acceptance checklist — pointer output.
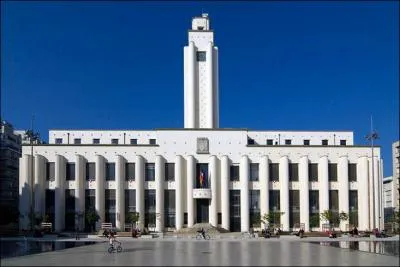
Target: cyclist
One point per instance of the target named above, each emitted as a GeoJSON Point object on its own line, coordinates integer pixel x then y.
{"type": "Point", "coordinates": [111, 238]}
{"type": "Point", "coordinates": [202, 232]}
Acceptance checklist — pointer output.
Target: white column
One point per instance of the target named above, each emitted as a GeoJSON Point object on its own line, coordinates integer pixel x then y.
{"type": "Point", "coordinates": [380, 183]}
{"type": "Point", "coordinates": [191, 171]}
{"type": "Point", "coordinates": [209, 87]}
{"type": "Point", "coordinates": [190, 83]}
{"type": "Point", "coordinates": [139, 175]}
{"type": "Point", "coordinates": [25, 190]}
{"type": "Point", "coordinates": [284, 191]}
{"type": "Point", "coordinates": [323, 181]}
{"type": "Point", "coordinates": [363, 198]}
{"type": "Point", "coordinates": [376, 189]}
{"type": "Point", "coordinates": [178, 192]}
{"type": "Point", "coordinates": [213, 172]}
{"type": "Point", "coordinates": [264, 186]}
{"type": "Point", "coordinates": [343, 181]}
{"type": "Point", "coordinates": [160, 178]}
{"type": "Point", "coordinates": [225, 173]}
{"type": "Point", "coordinates": [100, 178]}
{"type": "Point", "coordinates": [59, 194]}
{"type": "Point", "coordinates": [40, 172]}
{"type": "Point", "coordinates": [244, 194]}
{"type": "Point", "coordinates": [216, 89]}
{"type": "Point", "coordinates": [80, 178]}
{"type": "Point", "coordinates": [120, 192]}
{"type": "Point", "coordinates": [304, 193]}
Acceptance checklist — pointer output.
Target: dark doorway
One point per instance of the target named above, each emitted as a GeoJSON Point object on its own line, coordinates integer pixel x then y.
{"type": "Point", "coordinates": [202, 210]}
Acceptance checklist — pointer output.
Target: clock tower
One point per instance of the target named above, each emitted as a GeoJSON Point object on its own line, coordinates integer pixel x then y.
{"type": "Point", "coordinates": [201, 76]}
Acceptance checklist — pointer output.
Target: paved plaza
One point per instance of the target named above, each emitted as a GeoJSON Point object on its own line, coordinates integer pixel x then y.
{"type": "Point", "coordinates": [223, 252]}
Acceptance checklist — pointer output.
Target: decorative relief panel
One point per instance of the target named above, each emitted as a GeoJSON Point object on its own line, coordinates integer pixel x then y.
{"type": "Point", "coordinates": [234, 185]}
{"type": "Point", "coordinates": [254, 185]}
{"type": "Point", "coordinates": [92, 184]}
{"type": "Point", "coordinates": [51, 184]}
{"type": "Point", "coordinates": [110, 185]}
{"type": "Point", "coordinates": [274, 185]}
{"type": "Point", "coordinates": [150, 185]}
{"type": "Point", "coordinates": [202, 145]}
{"type": "Point", "coordinates": [353, 186]}
{"type": "Point", "coordinates": [313, 185]}
{"type": "Point", "coordinates": [202, 193]}
{"type": "Point", "coordinates": [70, 185]}
{"type": "Point", "coordinates": [294, 186]}
{"type": "Point", "coordinates": [170, 185]}
{"type": "Point", "coordinates": [333, 185]}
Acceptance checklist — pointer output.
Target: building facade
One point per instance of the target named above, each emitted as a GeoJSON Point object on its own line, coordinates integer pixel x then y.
{"type": "Point", "coordinates": [176, 178]}
{"type": "Point", "coordinates": [10, 152]}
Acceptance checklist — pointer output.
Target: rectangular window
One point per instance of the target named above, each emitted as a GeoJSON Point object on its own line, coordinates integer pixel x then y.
{"type": "Point", "coordinates": [114, 141]}
{"type": "Point", "coordinates": [325, 142]}
{"type": "Point", "coordinates": [133, 141]}
{"type": "Point", "coordinates": [334, 206]}
{"type": "Point", "coordinates": [90, 171]}
{"type": "Point", "coordinates": [58, 140]}
{"type": "Point", "coordinates": [234, 172]}
{"type": "Point", "coordinates": [306, 142]}
{"type": "Point", "coordinates": [254, 201]}
{"type": "Point", "coordinates": [69, 209]}
{"type": "Point", "coordinates": [353, 207]}
{"type": "Point", "coordinates": [149, 172]}
{"type": "Point", "coordinates": [129, 171]}
{"type": "Point", "coordinates": [96, 141]}
{"type": "Point", "coordinates": [293, 172]}
{"type": "Point", "coordinates": [50, 173]}
{"type": "Point", "coordinates": [288, 142]}
{"type": "Point", "coordinates": [313, 202]}
{"type": "Point", "coordinates": [201, 56]}
{"type": "Point", "coordinates": [253, 172]}
{"type": "Point", "coordinates": [342, 142]}
{"type": "Point", "coordinates": [77, 141]}
{"type": "Point", "coordinates": [250, 141]}
{"type": "Point", "coordinates": [219, 215]}
{"type": "Point", "coordinates": [110, 171]}
{"type": "Point", "coordinates": [352, 169]}
{"type": "Point", "coordinates": [149, 207]}
{"type": "Point", "coordinates": [275, 206]}
{"type": "Point", "coordinates": [169, 171]}
{"type": "Point", "coordinates": [70, 171]}
{"type": "Point", "coordinates": [110, 206]}
{"type": "Point", "coordinates": [332, 172]}
{"type": "Point", "coordinates": [294, 208]}
{"type": "Point", "coordinates": [152, 141]}
{"type": "Point", "coordinates": [313, 172]}
{"type": "Point", "coordinates": [90, 199]}
{"type": "Point", "coordinates": [274, 171]}
{"type": "Point", "coordinates": [234, 210]}
{"type": "Point", "coordinates": [270, 142]}
{"type": "Point", "coordinates": [169, 208]}
{"type": "Point", "coordinates": [130, 203]}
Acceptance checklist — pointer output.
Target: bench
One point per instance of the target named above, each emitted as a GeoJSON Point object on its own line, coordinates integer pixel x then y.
{"type": "Point", "coordinates": [47, 227]}
{"type": "Point", "coordinates": [107, 226]}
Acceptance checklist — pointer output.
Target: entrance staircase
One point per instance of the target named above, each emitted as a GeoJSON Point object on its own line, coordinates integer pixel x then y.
{"type": "Point", "coordinates": [212, 230]}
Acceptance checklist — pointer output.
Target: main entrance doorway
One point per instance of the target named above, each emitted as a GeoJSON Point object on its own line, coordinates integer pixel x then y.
{"type": "Point", "coordinates": [202, 206]}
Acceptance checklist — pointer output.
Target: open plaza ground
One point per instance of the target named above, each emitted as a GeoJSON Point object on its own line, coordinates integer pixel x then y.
{"type": "Point", "coordinates": [219, 251]}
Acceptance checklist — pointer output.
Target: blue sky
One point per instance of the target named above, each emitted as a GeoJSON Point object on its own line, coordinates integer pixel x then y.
{"type": "Point", "coordinates": [283, 65]}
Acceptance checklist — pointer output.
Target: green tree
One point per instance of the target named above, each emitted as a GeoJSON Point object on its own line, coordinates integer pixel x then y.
{"type": "Point", "coordinates": [91, 218]}
{"type": "Point", "coordinates": [132, 217]}
{"type": "Point", "coordinates": [314, 220]}
{"type": "Point", "coordinates": [273, 217]}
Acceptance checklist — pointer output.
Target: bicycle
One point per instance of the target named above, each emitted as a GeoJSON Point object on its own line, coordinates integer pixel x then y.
{"type": "Point", "coordinates": [112, 248]}
{"type": "Point", "coordinates": [248, 235]}
{"type": "Point", "coordinates": [200, 236]}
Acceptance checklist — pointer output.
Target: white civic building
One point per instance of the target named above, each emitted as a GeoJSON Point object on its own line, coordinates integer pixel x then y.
{"type": "Point", "coordinates": [201, 173]}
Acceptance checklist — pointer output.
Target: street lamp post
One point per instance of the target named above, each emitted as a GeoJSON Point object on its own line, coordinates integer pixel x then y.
{"type": "Point", "coordinates": [373, 135]}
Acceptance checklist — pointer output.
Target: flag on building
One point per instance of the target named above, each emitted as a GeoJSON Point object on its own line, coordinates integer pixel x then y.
{"type": "Point", "coordinates": [201, 178]}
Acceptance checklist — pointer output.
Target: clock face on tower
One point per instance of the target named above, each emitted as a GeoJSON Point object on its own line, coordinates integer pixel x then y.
{"type": "Point", "coordinates": [202, 145]}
